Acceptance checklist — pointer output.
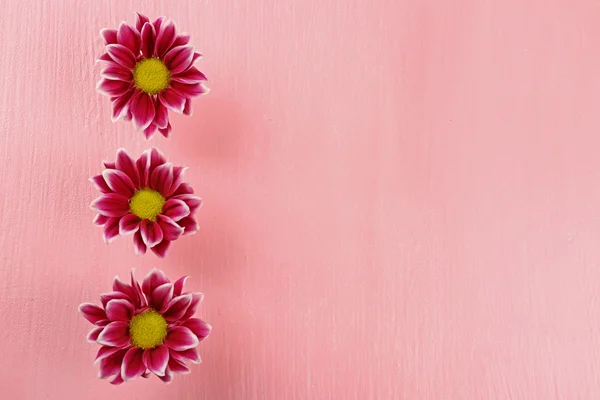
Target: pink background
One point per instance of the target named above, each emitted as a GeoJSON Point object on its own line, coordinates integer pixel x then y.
{"type": "Point", "coordinates": [402, 198]}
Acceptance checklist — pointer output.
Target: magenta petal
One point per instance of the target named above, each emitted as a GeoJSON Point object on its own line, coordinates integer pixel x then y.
{"type": "Point", "coordinates": [193, 202]}
{"type": "Point", "coordinates": [158, 23]}
{"type": "Point", "coordinates": [200, 328]}
{"type": "Point", "coordinates": [92, 312]}
{"type": "Point", "coordinates": [151, 233]}
{"type": "Point", "coordinates": [109, 165]}
{"type": "Point", "coordinates": [196, 300]}
{"type": "Point", "coordinates": [105, 57]}
{"type": "Point", "coordinates": [137, 288]}
{"type": "Point", "coordinates": [140, 20]}
{"type": "Point", "coordinates": [168, 378]}
{"type": "Point", "coordinates": [191, 75]}
{"type": "Point", "coordinates": [100, 220]}
{"type": "Point", "coordinates": [197, 56]}
{"type": "Point", "coordinates": [111, 365]}
{"type": "Point", "coordinates": [165, 37]}
{"type": "Point", "coordinates": [121, 105]}
{"type": "Point", "coordinates": [156, 359]}
{"type": "Point", "coordinates": [177, 180]}
{"type": "Point", "coordinates": [143, 166]}
{"type": "Point", "coordinates": [186, 355]}
{"type": "Point", "coordinates": [120, 286]}
{"type": "Point", "coordinates": [179, 58]}
{"type": "Point", "coordinates": [161, 117]}
{"type": "Point", "coordinates": [93, 335]}
{"type": "Point", "coordinates": [115, 334]}
{"type": "Point", "coordinates": [178, 285]}
{"type": "Point", "coordinates": [100, 184]}
{"type": "Point", "coordinates": [129, 37]}
{"type": "Point", "coordinates": [165, 131]}
{"type": "Point", "coordinates": [172, 100]}
{"type": "Point", "coordinates": [154, 279]}
{"type": "Point", "coordinates": [180, 338]}
{"type": "Point", "coordinates": [189, 89]}
{"type": "Point", "coordinates": [161, 297]}
{"type": "Point", "coordinates": [119, 310]}
{"type": "Point", "coordinates": [117, 381]}
{"type": "Point", "coordinates": [150, 130]}
{"type": "Point", "coordinates": [111, 205]}
{"type": "Point", "coordinates": [181, 39]}
{"type": "Point", "coordinates": [142, 107]}
{"type": "Point", "coordinates": [156, 159]}
{"type": "Point", "coordinates": [171, 231]}
{"type": "Point", "coordinates": [129, 224]}
{"type": "Point", "coordinates": [178, 367]}
{"type": "Point", "coordinates": [122, 55]}
{"type": "Point", "coordinates": [190, 225]}
{"type": "Point", "coordinates": [187, 109]}
{"type": "Point", "coordinates": [183, 188]}
{"type": "Point", "coordinates": [126, 164]}
{"type": "Point", "coordinates": [119, 182]}
{"type": "Point", "coordinates": [176, 209]}
{"type": "Point", "coordinates": [111, 229]}
{"type": "Point", "coordinates": [109, 35]}
{"type": "Point", "coordinates": [105, 351]}
{"type": "Point", "coordinates": [161, 249]}
{"type": "Point", "coordinates": [117, 72]}
{"type": "Point", "coordinates": [177, 307]}
{"type": "Point", "coordinates": [140, 246]}
{"type": "Point", "coordinates": [162, 178]}
{"type": "Point", "coordinates": [112, 88]}
{"type": "Point", "coordinates": [148, 36]}
{"type": "Point", "coordinates": [133, 364]}
{"type": "Point", "coordinates": [106, 297]}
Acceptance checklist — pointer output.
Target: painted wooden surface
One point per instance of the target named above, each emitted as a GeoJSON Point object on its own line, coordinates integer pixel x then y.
{"type": "Point", "coordinates": [401, 198]}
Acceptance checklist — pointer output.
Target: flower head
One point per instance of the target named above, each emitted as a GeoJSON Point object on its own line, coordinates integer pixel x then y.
{"type": "Point", "coordinates": [147, 329]}
{"type": "Point", "coordinates": [146, 198]}
{"type": "Point", "coordinates": [149, 70]}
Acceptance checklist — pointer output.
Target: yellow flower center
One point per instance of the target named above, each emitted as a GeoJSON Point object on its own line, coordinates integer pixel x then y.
{"type": "Point", "coordinates": [151, 75]}
{"type": "Point", "coordinates": [148, 329]}
{"type": "Point", "coordinates": [147, 204]}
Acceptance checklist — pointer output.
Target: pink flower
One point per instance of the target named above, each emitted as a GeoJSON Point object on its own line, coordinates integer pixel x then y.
{"type": "Point", "coordinates": [147, 329]}
{"type": "Point", "coordinates": [145, 198]}
{"type": "Point", "coordinates": [149, 69]}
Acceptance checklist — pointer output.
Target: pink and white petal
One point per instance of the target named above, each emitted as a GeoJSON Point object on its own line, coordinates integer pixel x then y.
{"type": "Point", "coordinates": [93, 335]}
{"type": "Point", "coordinates": [165, 36]}
{"type": "Point", "coordinates": [111, 365]}
{"type": "Point", "coordinates": [176, 209]}
{"type": "Point", "coordinates": [120, 286]}
{"type": "Point", "coordinates": [161, 297]}
{"type": "Point", "coordinates": [177, 179]}
{"type": "Point", "coordinates": [115, 334]}
{"type": "Point", "coordinates": [168, 378]}
{"type": "Point", "coordinates": [146, 374]}
{"type": "Point", "coordinates": [140, 246]}
{"type": "Point", "coordinates": [133, 364]}
{"type": "Point", "coordinates": [154, 279]}
{"type": "Point", "coordinates": [109, 164]}
{"type": "Point", "coordinates": [179, 58]}
{"type": "Point", "coordinates": [100, 220]}
{"type": "Point", "coordinates": [106, 351]}
{"type": "Point", "coordinates": [119, 310]}
{"type": "Point", "coordinates": [127, 165]}
{"type": "Point", "coordinates": [148, 39]}
{"type": "Point", "coordinates": [157, 359]}
{"type": "Point", "coordinates": [92, 312]}
{"type": "Point", "coordinates": [186, 355]}
{"type": "Point", "coordinates": [158, 23]}
{"type": "Point", "coordinates": [106, 297]}
{"type": "Point", "coordinates": [196, 300]}
{"type": "Point", "coordinates": [109, 35]}
{"type": "Point", "coordinates": [111, 229]}
{"type": "Point", "coordinates": [156, 159]}
{"type": "Point", "coordinates": [189, 89]}
{"type": "Point", "coordinates": [180, 338]}
{"type": "Point", "coordinates": [151, 232]}
{"type": "Point", "coordinates": [190, 225]}
{"type": "Point", "coordinates": [119, 182]}
{"type": "Point", "coordinates": [128, 116]}
{"type": "Point", "coordinates": [161, 249]}
{"type": "Point", "coordinates": [178, 367]}
{"type": "Point", "coordinates": [129, 224]}
{"type": "Point", "coordinates": [102, 322]}
{"type": "Point", "coordinates": [187, 109]}
{"type": "Point", "coordinates": [137, 288]}
{"type": "Point", "coordinates": [181, 39]}
{"type": "Point", "coordinates": [171, 231]}
{"type": "Point", "coordinates": [197, 56]}
{"type": "Point", "coordinates": [117, 72]}
{"type": "Point", "coordinates": [200, 328]}
{"type": "Point", "coordinates": [150, 130]}
{"type": "Point", "coordinates": [162, 178]}
{"type": "Point", "coordinates": [161, 117]}
{"type": "Point", "coordinates": [178, 285]}
{"type": "Point", "coordinates": [140, 20]}
{"type": "Point", "coordinates": [143, 166]}
{"type": "Point", "coordinates": [112, 88]}
{"type": "Point", "coordinates": [129, 37]}
{"type": "Point", "coordinates": [117, 381]}
{"type": "Point", "coordinates": [190, 75]}
{"type": "Point", "coordinates": [121, 55]}
{"type": "Point", "coordinates": [105, 58]}
{"type": "Point", "coordinates": [166, 132]}
{"type": "Point", "coordinates": [100, 184]}
{"type": "Point", "coordinates": [193, 202]}
{"type": "Point", "coordinates": [172, 100]}
{"type": "Point", "coordinates": [121, 105]}
{"type": "Point", "coordinates": [111, 205]}
{"type": "Point", "coordinates": [184, 188]}
{"type": "Point", "coordinates": [142, 108]}
{"type": "Point", "coordinates": [177, 308]}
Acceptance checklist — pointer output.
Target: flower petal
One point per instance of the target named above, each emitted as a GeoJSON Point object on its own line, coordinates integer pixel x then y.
{"type": "Point", "coordinates": [156, 359]}
{"type": "Point", "coordinates": [176, 209]}
{"type": "Point", "coordinates": [137, 289]}
{"type": "Point", "coordinates": [109, 165]}
{"type": "Point", "coordinates": [150, 130]}
{"type": "Point", "coordinates": [115, 334]}
{"type": "Point", "coordinates": [129, 37]}
{"type": "Point", "coordinates": [165, 131]}
{"type": "Point", "coordinates": [151, 233]}
{"type": "Point", "coordinates": [140, 20]}
{"type": "Point", "coordinates": [177, 180]}
{"type": "Point", "coordinates": [111, 229]}
{"type": "Point", "coordinates": [100, 220]}
{"type": "Point", "coordinates": [105, 351]}
{"type": "Point", "coordinates": [142, 108]}
{"type": "Point", "coordinates": [119, 182]}
{"type": "Point", "coordinates": [111, 365]}
{"type": "Point", "coordinates": [193, 202]}
{"type": "Point", "coordinates": [121, 105]}
{"type": "Point", "coordinates": [171, 231]}
{"type": "Point", "coordinates": [200, 328]}
{"type": "Point", "coordinates": [128, 290]}
{"type": "Point", "coordinates": [197, 56]}
{"type": "Point", "coordinates": [179, 58]}
{"type": "Point", "coordinates": [105, 57]}
{"type": "Point", "coordinates": [183, 188]}
{"type": "Point", "coordinates": [112, 88]}
{"type": "Point", "coordinates": [129, 224]}
{"type": "Point", "coordinates": [177, 307]}
{"type": "Point", "coordinates": [161, 297]}
{"type": "Point", "coordinates": [190, 225]}
{"type": "Point", "coordinates": [161, 249]}
{"type": "Point", "coordinates": [122, 55]}
{"type": "Point", "coordinates": [140, 246]}
{"type": "Point", "coordinates": [165, 37]}
{"type": "Point", "coordinates": [133, 364]}
{"type": "Point", "coordinates": [161, 116]}
{"type": "Point", "coordinates": [93, 335]}
{"type": "Point", "coordinates": [106, 297]}
{"type": "Point", "coordinates": [196, 300]}
{"type": "Point", "coordinates": [172, 100]}
{"type": "Point", "coordinates": [186, 355]}
{"type": "Point", "coordinates": [162, 178]}
{"type": "Point", "coordinates": [168, 378]}
{"type": "Point", "coordinates": [109, 35]}
{"type": "Point", "coordinates": [92, 312]}
{"type": "Point", "coordinates": [117, 381]}
{"type": "Point", "coordinates": [189, 89]}
{"type": "Point", "coordinates": [154, 279]}
{"type": "Point", "coordinates": [187, 108]}
{"type": "Point", "coordinates": [117, 73]}
{"type": "Point", "coordinates": [190, 75]}
{"type": "Point", "coordinates": [181, 39]}
{"type": "Point", "coordinates": [126, 164]}
{"type": "Point", "coordinates": [111, 205]}
{"type": "Point", "coordinates": [100, 184]}
{"type": "Point", "coordinates": [178, 367]}
{"type": "Point", "coordinates": [180, 338]}
{"type": "Point", "coordinates": [119, 310]}
{"type": "Point", "coordinates": [148, 40]}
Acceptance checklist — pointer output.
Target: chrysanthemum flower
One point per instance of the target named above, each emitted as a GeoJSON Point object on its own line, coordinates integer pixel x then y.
{"type": "Point", "coordinates": [150, 68]}
{"type": "Point", "coordinates": [146, 198]}
{"type": "Point", "coordinates": [147, 329]}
